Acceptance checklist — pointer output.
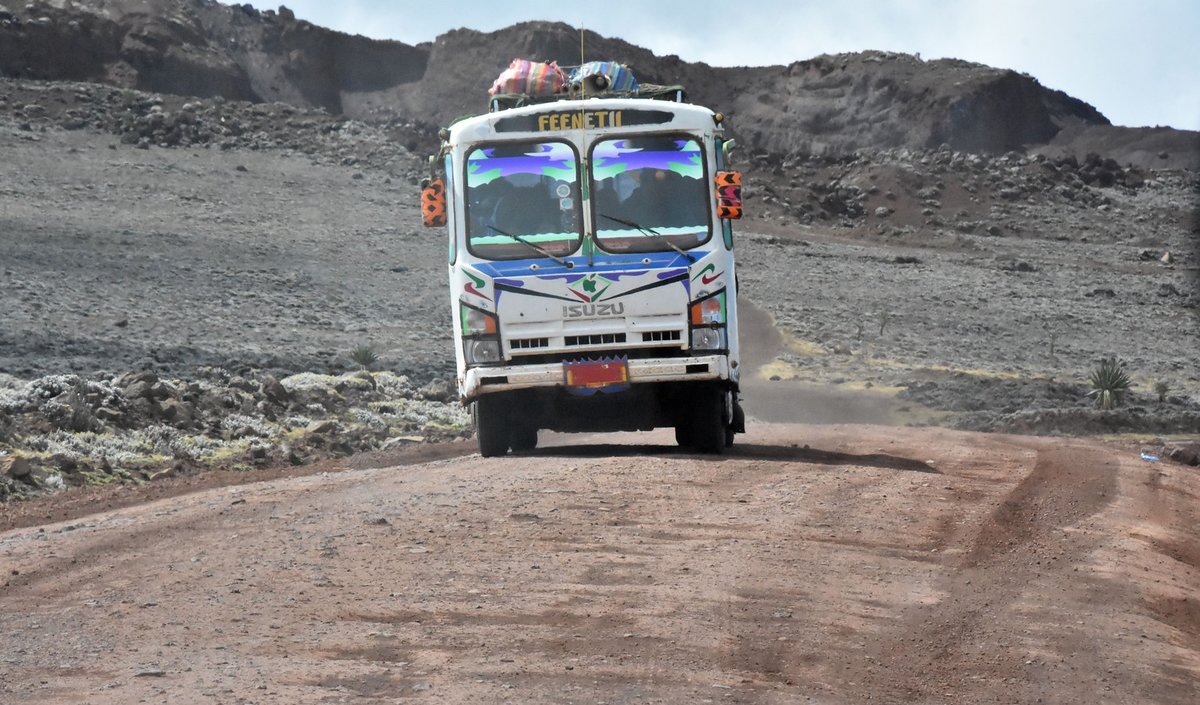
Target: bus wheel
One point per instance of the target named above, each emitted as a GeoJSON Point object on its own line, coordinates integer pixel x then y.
{"type": "Point", "coordinates": [524, 438]}
{"type": "Point", "coordinates": [490, 428]}
{"type": "Point", "coordinates": [708, 422]}
{"type": "Point", "coordinates": [683, 433]}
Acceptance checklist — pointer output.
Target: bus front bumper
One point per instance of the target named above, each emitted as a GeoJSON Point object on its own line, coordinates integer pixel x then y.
{"type": "Point", "coordinates": [485, 380]}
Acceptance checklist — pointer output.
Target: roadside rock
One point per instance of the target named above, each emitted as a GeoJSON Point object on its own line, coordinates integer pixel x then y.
{"type": "Point", "coordinates": [15, 467]}
{"type": "Point", "coordinates": [439, 390]}
{"type": "Point", "coordinates": [1186, 453]}
{"type": "Point", "coordinates": [274, 391]}
{"type": "Point", "coordinates": [321, 427]}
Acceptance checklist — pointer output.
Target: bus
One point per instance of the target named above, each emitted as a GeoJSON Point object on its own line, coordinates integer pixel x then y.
{"type": "Point", "coordinates": [593, 286]}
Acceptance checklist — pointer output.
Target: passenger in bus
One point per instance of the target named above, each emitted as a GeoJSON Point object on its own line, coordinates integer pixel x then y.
{"type": "Point", "coordinates": [535, 208]}
{"type": "Point", "coordinates": [662, 199]}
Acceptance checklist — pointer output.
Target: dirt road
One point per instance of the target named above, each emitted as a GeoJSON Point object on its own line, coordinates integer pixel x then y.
{"type": "Point", "coordinates": [830, 564]}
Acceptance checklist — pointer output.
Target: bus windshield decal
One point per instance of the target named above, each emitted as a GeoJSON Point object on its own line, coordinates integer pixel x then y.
{"type": "Point", "coordinates": [618, 156]}
{"type": "Point", "coordinates": [523, 198]}
{"type": "Point", "coordinates": [650, 194]}
{"type": "Point", "coordinates": [553, 159]}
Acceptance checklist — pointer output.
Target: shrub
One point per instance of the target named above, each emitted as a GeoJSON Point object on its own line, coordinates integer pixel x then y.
{"type": "Point", "coordinates": [1161, 388]}
{"type": "Point", "coordinates": [364, 356]}
{"type": "Point", "coordinates": [1109, 383]}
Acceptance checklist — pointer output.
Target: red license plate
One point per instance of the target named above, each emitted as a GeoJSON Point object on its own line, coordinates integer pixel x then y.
{"type": "Point", "coordinates": [596, 373]}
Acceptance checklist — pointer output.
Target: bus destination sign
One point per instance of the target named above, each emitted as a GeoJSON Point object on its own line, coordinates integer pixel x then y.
{"type": "Point", "coordinates": [581, 120]}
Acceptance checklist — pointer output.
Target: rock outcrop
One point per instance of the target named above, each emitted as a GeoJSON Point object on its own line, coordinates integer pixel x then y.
{"type": "Point", "coordinates": [826, 105]}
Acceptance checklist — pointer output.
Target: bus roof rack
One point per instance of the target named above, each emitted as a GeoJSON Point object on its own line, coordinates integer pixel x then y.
{"type": "Point", "coordinates": [505, 101]}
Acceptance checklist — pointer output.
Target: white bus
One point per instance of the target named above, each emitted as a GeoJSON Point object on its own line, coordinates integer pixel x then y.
{"type": "Point", "coordinates": [592, 275]}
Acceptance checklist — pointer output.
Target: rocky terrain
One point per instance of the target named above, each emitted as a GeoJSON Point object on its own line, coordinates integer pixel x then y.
{"type": "Point", "coordinates": [159, 266]}
{"type": "Point", "coordinates": [825, 105]}
{"type": "Point", "coordinates": [172, 260]}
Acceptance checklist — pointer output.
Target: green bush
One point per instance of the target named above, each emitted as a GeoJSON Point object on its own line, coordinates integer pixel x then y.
{"type": "Point", "coordinates": [1109, 383]}
{"type": "Point", "coordinates": [365, 356]}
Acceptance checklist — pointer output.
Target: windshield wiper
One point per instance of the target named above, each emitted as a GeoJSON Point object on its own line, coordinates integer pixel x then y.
{"type": "Point", "coordinates": [652, 232]}
{"type": "Point", "coordinates": [533, 246]}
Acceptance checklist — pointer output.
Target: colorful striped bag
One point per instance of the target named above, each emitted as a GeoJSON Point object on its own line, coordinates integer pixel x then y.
{"type": "Point", "coordinates": [530, 78]}
{"type": "Point", "coordinates": [616, 77]}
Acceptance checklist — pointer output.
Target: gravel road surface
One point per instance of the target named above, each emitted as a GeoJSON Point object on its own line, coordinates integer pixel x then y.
{"type": "Point", "coordinates": [832, 564]}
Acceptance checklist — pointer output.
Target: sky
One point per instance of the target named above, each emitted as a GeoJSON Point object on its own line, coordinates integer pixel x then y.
{"type": "Point", "coordinates": [1136, 61]}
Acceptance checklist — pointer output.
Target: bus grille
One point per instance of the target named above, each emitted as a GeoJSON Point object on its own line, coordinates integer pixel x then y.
{"type": "Point", "coordinates": [602, 339]}
{"type": "Point", "coordinates": [529, 343]}
{"type": "Point", "coordinates": [660, 336]}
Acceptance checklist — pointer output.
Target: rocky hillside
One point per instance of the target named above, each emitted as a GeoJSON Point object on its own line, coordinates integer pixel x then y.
{"type": "Point", "coordinates": [827, 105]}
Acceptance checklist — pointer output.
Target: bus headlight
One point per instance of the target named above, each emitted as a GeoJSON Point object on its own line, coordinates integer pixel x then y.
{"type": "Point", "coordinates": [708, 319]}
{"type": "Point", "coordinates": [708, 339]}
{"type": "Point", "coordinates": [481, 351]}
{"type": "Point", "coordinates": [481, 336]}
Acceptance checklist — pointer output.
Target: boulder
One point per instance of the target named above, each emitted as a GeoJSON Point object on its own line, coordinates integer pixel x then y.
{"type": "Point", "coordinates": [321, 427]}
{"type": "Point", "coordinates": [274, 390]}
{"type": "Point", "coordinates": [1186, 453]}
{"type": "Point", "coordinates": [139, 389]}
{"type": "Point", "coordinates": [178, 413]}
{"type": "Point", "coordinates": [439, 390]}
{"type": "Point", "coordinates": [161, 390]}
{"type": "Point", "coordinates": [15, 466]}
{"type": "Point", "coordinates": [243, 384]}
{"type": "Point", "coordinates": [131, 378]}
{"type": "Point", "coordinates": [109, 415]}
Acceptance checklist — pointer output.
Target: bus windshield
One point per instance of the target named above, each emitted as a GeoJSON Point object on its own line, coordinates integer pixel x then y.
{"type": "Point", "coordinates": [523, 200]}
{"type": "Point", "coordinates": [649, 193]}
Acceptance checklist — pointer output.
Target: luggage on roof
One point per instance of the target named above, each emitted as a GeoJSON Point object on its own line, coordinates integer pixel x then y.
{"type": "Point", "coordinates": [527, 77]}
{"type": "Point", "coordinates": [527, 82]}
{"type": "Point", "coordinates": [597, 76]}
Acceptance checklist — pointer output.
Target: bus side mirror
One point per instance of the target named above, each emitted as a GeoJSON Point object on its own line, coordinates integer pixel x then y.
{"type": "Point", "coordinates": [729, 195]}
{"type": "Point", "coordinates": [433, 203]}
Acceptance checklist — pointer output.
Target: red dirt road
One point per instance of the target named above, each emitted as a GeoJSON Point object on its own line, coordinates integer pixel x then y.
{"type": "Point", "coordinates": [827, 564]}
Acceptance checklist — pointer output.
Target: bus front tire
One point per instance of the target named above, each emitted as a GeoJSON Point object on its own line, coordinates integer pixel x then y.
{"type": "Point", "coordinates": [708, 424]}
{"type": "Point", "coordinates": [490, 427]}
